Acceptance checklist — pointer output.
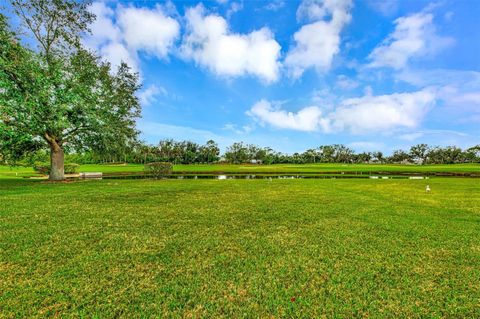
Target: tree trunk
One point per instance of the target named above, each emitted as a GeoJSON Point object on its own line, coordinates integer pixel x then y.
{"type": "Point", "coordinates": [57, 171]}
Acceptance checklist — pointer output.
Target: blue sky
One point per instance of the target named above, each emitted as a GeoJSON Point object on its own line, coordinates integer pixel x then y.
{"type": "Point", "coordinates": [374, 75]}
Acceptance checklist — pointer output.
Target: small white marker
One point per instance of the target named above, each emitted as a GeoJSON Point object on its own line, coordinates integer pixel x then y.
{"type": "Point", "coordinates": [427, 189]}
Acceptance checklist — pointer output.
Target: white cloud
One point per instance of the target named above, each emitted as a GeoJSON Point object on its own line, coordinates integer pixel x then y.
{"type": "Point", "coordinates": [234, 7]}
{"type": "Point", "coordinates": [383, 112]}
{"type": "Point", "coordinates": [458, 90]}
{"type": "Point", "coordinates": [346, 83]}
{"type": "Point", "coordinates": [116, 53]}
{"type": "Point", "coordinates": [439, 137]}
{"type": "Point", "coordinates": [147, 29]}
{"type": "Point", "coordinates": [441, 77]}
{"type": "Point", "coordinates": [411, 136]}
{"type": "Point", "coordinates": [275, 5]}
{"type": "Point", "coordinates": [368, 90]}
{"type": "Point", "coordinates": [365, 114]}
{"type": "Point", "coordinates": [307, 119]}
{"type": "Point", "coordinates": [414, 36]}
{"type": "Point", "coordinates": [210, 43]}
{"type": "Point", "coordinates": [245, 129]}
{"type": "Point", "coordinates": [326, 98]}
{"type": "Point", "coordinates": [103, 28]}
{"type": "Point", "coordinates": [448, 16]}
{"type": "Point", "coordinates": [119, 34]}
{"type": "Point", "coordinates": [460, 103]}
{"type": "Point", "coordinates": [313, 10]}
{"type": "Point", "coordinates": [318, 42]}
{"type": "Point", "coordinates": [385, 7]}
{"type": "Point", "coordinates": [150, 94]}
{"type": "Point", "coordinates": [106, 37]}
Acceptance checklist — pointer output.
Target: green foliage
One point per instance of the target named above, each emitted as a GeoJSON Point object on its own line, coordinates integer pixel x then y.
{"type": "Point", "coordinates": [56, 25]}
{"type": "Point", "coordinates": [61, 96]}
{"type": "Point", "coordinates": [185, 152]}
{"type": "Point", "coordinates": [419, 153]}
{"type": "Point", "coordinates": [237, 153]}
{"type": "Point", "coordinates": [41, 168]}
{"type": "Point", "coordinates": [158, 169]}
{"type": "Point", "coordinates": [19, 70]}
{"type": "Point", "coordinates": [400, 156]}
{"type": "Point", "coordinates": [44, 168]}
{"type": "Point", "coordinates": [71, 168]}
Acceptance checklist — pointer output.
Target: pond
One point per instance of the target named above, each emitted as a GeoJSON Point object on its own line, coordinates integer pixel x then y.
{"type": "Point", "coordinates": [261, 176]}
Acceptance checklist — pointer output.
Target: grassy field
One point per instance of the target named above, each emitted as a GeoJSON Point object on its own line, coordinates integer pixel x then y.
{"type": "Point", "coordinates": [9, 172]}
{"type": "Point", "coordinates": [240, 248]}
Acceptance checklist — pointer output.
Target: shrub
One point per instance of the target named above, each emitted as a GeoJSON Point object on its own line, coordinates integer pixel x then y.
{"type": "Point", "coordinates": [44, 168]}
{"type": "Point", "coordinates": [41, 168]}
{"type": "Point", "coordinates": [71, 168]}
{"type": "Point", "coordinates": [158, 169]}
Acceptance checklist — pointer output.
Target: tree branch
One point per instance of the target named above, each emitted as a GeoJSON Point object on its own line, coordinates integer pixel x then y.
{"type": "Point", "coordinates": [70, 133]}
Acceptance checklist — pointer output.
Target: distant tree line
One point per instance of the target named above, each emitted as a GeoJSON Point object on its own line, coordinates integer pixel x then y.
{"type": "Point", "coordinates": [187, 152]}
{"type": "Point", "coordinates": [338, 153]}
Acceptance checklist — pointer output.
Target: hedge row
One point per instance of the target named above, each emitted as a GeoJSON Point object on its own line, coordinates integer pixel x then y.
{"type": "Point", "coordinates": [44, 168]}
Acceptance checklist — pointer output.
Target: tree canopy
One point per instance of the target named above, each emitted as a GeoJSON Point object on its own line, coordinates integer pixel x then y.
{"type": "Point", "coordinates": [61, 96]}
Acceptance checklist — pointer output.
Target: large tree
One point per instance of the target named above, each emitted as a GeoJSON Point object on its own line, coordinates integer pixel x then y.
{"type": "Point", "coordinates": [59, 95]}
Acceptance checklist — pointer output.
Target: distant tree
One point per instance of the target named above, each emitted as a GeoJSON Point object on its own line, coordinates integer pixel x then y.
{"type": "Point", "coordinates": [327, 153]}
{"type": "Point", "coordinates": [260, 154]}
{"type": "Point", "coordinates": [472, 154]}
{"type": "Point", "coordinates": [297, 158]}
{"type": "Point", "coordinates": [453, 154]}
{"type": "Point", "coordinates": [342, 154]}
{"type": "Point", "coordinates": [209, 152]}
{"type": "Point", "coordinates": [419, 153]}
{"type": "Point", "coordinates": [378, 156]}
{"type": "Point", "coordinates": [140, 152]}
{"type": "Point", "coordinates": [445, 155]}
{"type": "Point", "coordinates": [364, 157]}
{"type": "Point", "coordinates": [166, 150]}
{"type": "Point", "coordinates": [270, 156]}
{"type": "Point", "coordinates": [237, 153]}
{"type": "Point", "coordinates": [399, 156]}
{"type": "Point", "coordinates": [311, 156]}
{"type": "Point", "coordinates": [191, 152]}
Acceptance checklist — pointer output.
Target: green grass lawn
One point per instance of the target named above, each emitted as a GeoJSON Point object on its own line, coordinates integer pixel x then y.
{"type": "Point", "coordinates": [7, 172]}
{"type": "Point", "coordinates": [240, 248]}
